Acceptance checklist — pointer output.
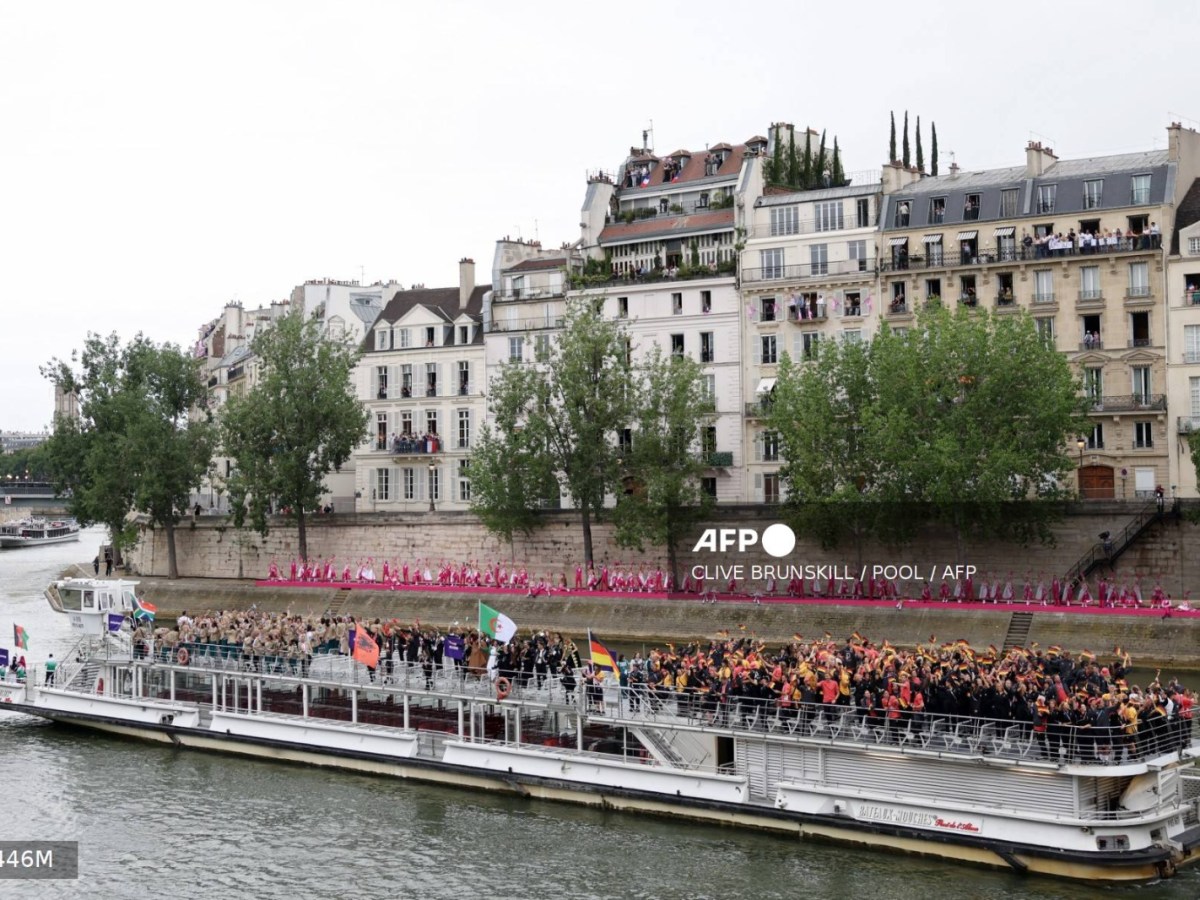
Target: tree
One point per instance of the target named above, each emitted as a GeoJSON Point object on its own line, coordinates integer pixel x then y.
{"type": "Point", "coordinates": [906, 160]}
{"type": "Point", "coordinates": [806, 169]}
{"type": "Point", "coordinates": [777, 168]}
{"type": "Point", "coordinates": [963, 420]}
{"type": "Point", "coordinates": [892, 157]}
{"type": "Point", "coordinates": [920, 152]}
{"type": "Point", "coordinates": [838, 177]}
{"type": "Point", "coordinates": [571, 406]}
{"type": "Point", "coordinates": [143, 440]}
{"type": "Point", "coordinates": [793, 167]}
{"type": "Point", "coordinates": [300, 422]}
{"type": "Point", "coordinates": [819, 169]}
{"type": "Point", "coordinates": [666, 457]}
{"type": "Point", "coordinates": [933, 160]}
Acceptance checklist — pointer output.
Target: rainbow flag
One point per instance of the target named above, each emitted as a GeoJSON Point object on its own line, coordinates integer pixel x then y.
{"type": "Point", "coordinates": [20, 637]}
{"type": "Point", "coordinates": [602, 658]}
{"type": "Point", "coordinates": [144, 610]}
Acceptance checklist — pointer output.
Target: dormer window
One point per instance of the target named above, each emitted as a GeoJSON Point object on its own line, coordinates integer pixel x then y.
{"type": "Point", "coordinates": [405, 338]}
{"type": "Point", "coordinates": [702, 203]}
{"type": "Point", "coordinates": [430, 336]}
{"type": "Point", "coordinates": [383, 339]}
{"type": "Point", "coordinates": [464, 334]}
{"type": "Point", "coordinates": [971, 207]}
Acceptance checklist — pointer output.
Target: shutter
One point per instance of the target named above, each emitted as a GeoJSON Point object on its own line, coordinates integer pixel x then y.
{"type": "Point", "coordinates": [757, 341]}
{"type": "Point", "coordinates": [758, 449]}
{"type": "Point", "coordinates": [441, 385]}
{"type": "Point", "coordinates": [758, 487]}
{"type": "Point", "coordinates": [394, 381]}
{"type": "Point", "coordinates": [797, 347]}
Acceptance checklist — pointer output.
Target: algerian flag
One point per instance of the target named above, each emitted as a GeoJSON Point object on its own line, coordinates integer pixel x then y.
{"type": "Point", "coordinates": [496, 624]}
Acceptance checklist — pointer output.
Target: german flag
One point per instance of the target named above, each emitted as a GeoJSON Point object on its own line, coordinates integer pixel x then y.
{"type": "Point", "coordinates": [797, 636]}
{"type": "Point", "coordinates": [856, 638]}
{"type": "Point", "coordinates": [603, 659]}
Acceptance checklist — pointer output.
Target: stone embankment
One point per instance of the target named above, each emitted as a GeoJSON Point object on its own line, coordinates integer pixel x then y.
{"type": "Point", "coordinates": [1151, 640]}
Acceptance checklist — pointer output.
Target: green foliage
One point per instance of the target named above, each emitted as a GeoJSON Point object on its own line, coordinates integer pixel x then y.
{"type": "Point", "coordinates": [662, 468]}
{"type": "Point", "coordinates": [793, 165]}
{"type": "Point", "coordinates": [298, 423]}
{"type": "Point", "coordinates": [837, 176]}
{"type": "Point", "coordinates": [144, 438]}
{"type": "Point", "coordinates": [28, 463]}
{"type": "Point", "coordinates": [920, 152]}
{"type": "Point", "coordinates": [569, 407]}
{"type": "Point", "coordinates": [963, 419]}
{"type": "Point", "coordinates": [510, 477]}
{"type": "Point", "coordinates": [892, 157]}
{"type": "Point", "coordinates": [806, 173]}
{"type": "Point", "coordinates": [906, 158]}
{"type": "Point", "coordinates": [933, 156]}
{"type": "Point", "coordinates": [817, 177]}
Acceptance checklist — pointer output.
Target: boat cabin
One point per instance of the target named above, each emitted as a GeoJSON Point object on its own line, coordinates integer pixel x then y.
{"type": "Point", "coordinates": [88, 602]}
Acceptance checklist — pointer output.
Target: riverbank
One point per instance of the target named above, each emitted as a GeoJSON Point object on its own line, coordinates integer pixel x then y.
{"type": "Point", "coordinates": [1151, 639]}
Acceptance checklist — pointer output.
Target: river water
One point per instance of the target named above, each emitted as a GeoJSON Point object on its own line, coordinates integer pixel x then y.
{"type": "Point", "coordinates": [157, 822]}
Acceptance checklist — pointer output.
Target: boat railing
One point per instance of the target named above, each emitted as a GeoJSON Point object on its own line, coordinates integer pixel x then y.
{"type": "Point", "coordinates": [631, 751]}
{"type": "Point", "coordinates": [937, 732]}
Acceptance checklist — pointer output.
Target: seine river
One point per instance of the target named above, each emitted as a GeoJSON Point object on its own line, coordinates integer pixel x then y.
{"type": "Point", "coordinates": [155, 822]}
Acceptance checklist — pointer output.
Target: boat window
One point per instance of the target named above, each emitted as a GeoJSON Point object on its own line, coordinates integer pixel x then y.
{"type": "Point", "coordinates": [127, 600]}
{"type": "Point", "coordinates": [71, 600]}
{"type": "Point", "coordinates": [89, 600]}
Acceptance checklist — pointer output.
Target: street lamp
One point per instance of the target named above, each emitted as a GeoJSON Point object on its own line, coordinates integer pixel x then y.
{"type": "Point", "coordinates": [1081, 443]}
{"type": "Point", "coordinates": [432, 473]}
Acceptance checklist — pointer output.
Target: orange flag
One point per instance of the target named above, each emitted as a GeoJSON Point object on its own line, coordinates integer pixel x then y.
{"type": "Point", "coordinates": [366, 651]}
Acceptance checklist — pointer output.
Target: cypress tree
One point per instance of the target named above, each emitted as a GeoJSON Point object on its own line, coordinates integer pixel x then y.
{"type": "Point", "coordinates": [933, 148]}
{"type": "Point", "coordinates": [818, 172]}
{"type": "Point", "coordinates": [776, 173]}
{"type": "Point", "coordinates": [839, 177]}
{"type": "Point", "coordinates": [793, 167]}
{"type": "Point", "coordinates": [806, 169]}
{"type": "Point", "coordinates": [892, 142]}
{"type": "Point", "coordinates": [906, 159]}
{"type": "Point", "coordinates": [920, 152]}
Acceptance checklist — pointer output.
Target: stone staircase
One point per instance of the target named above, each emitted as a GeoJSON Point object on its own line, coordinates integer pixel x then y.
{"type": "Point", "coordinates": [1018, 630]}
{"type": "Point", "coordinates": [1102, 553]}
{"type": "Point", "coordinates": [339, 602]}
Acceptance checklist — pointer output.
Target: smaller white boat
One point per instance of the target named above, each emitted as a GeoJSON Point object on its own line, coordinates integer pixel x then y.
{"type": "Point", "coordinates": [35, 532]}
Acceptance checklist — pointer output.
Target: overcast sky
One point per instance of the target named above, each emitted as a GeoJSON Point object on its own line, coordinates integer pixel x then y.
{"type": "Point", "coordinates": [158, 160]}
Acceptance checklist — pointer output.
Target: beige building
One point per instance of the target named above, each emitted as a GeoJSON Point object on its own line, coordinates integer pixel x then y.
{"type": "Point", "coordinates": [1183, 342]}
{"type": "Point", "coordinates": [1079, 245]}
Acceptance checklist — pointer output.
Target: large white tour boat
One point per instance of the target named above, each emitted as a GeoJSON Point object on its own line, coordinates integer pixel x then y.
{"type": "Point", "coordinates": [35, 532]}
{"type": "Point", "coordinates": [959, 788]}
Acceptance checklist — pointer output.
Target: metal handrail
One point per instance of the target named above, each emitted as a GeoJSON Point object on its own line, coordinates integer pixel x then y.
{"type": "Point", "coordinates": [1099, 553]}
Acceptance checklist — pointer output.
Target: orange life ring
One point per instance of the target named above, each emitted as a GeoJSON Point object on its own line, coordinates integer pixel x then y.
{"type": "Point", "coordinates": [503, 687]}
{"type": "Point", "coordinates": [182, 656]}
{"type": "Point", "coordinates": [99, 685]}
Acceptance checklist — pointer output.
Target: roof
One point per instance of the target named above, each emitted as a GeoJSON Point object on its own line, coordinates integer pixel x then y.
{"type": "Point", "coordinates": [538, 264]}
{"type": "Point", "coordinates": [443, 302]}
{"type": "Point", "coordinates": [693, 169]}
{"type": "Point", "coordinates": [776, 198]}
{"type": "Point", "coordinates": [1187, 214]}
{"type": "Point", "coordinates": [366, 308]}
{"type": "Point", "coordinates": [674, 226]}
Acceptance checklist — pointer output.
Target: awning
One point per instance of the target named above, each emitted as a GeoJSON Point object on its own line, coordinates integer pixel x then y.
{"type": "Point", "coordinates": [765, 385]}
{"type": "Point", "coordinates": [1007, 231]}
{"type": "Point", "coordinates": [967, 235]}
{"type": "Point", "coordinates": [898, 242]}
{"type": "Point", "coordinates": [931, 239]}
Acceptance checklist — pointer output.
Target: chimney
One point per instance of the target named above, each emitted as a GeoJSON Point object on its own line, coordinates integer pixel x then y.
{"type": "Point", "coordinates": [1038, 159]}
{"type": "Point", "coordinates": [953, 170]}
{"type": "Point", "coordinates": [466, 281]}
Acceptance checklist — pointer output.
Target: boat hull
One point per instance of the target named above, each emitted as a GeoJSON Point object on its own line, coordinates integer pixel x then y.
{"type": "Point", "coordinates": [1116, 866]}
{"type": "Point", "coordinates": [15, 542]}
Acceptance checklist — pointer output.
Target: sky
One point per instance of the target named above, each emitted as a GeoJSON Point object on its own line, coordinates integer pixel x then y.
{"type": "Point", "coordinates": [159, 160]}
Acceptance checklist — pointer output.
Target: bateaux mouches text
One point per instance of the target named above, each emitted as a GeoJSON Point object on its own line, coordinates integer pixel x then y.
{"type": "Point", "coordinates": [825, 572]}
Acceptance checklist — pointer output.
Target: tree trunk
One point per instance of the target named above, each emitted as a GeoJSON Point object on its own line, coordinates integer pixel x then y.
{"type": "Point", "coordinates": [172, 564]}
{"type": "Point", "coordinates": [586, 511]}
{"type": "Point", "coordinates": [301, 533]}
{"type": "Point", "coordinates": [673, 559]}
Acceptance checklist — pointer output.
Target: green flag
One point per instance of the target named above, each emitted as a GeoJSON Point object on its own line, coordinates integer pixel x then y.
{"type": "Point", "coordinates": [496, 624]}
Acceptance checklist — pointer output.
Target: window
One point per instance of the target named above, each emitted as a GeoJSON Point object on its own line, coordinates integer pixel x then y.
{"type": "Point", "coordinates": [1138, 225]}
{"type": "Point", "coordinates": [406, 422]}
{"type": "Point", "coordinates": [1139, 279]}
{"type": "Point", "coordinates": [410, 484]}
{"type": "Point", "coordinates": [829, 216]}
{"type": "Point", "coordinates": [772, 263]}
{"type": "Point", "coordinates": [852, 335]}
{"type": "Point", "coordinates": [541, 346]}
{"type": "Point", "coordinates": [1043, 290]}
{"type": "Point", "coordinates": [406, 380]}
{"type": "Point", "coordinates": [1093, 384]}
{"type": "Point", "coordinates": [431, 379]}
{"type": "Point", "coordinates": [464, 378]}
{"type": "Point", "coordinates": [381, 379]}
{"type": "Point", "coordinates": [971, 207]}
{"type": "Point", "coordinates": [1045, 329]}
{"type": "Point", "coordinates": [625, 441]}
{"type": "Point", "coordinates": [381, 431]}
{"type": "Point", "coordinates": [853, 304]}
{"type": "Point", "coordinates": [435, 483]}
{"type": "Point", "coordinates": [708, 440]}
{"type": "Point", "coordinates": [1008, 202]}
{"type": "Point", "coordinates": [708, 385]}
{"type": "Point", "coordinates": [770, 487]}
{"type": "Point", "coordinates": [677, 345]}
{"type": "Point", "coordinates": [934, 249]}
{"type": "Point", "coordinates": [767, 347]}
{"type": "Point", "coordinates": [383, 339]}
{"type": "Point", "coordinates": [464, 481]}
{"type": "Point", "coordinates": [1089, 283]}
{"type": "Point", "coordinates": [785, 220]}
{"type": "Point", "coordinates": [430, 336]}
{"type": "Point", "coordinates": [628, 351]}
{"type": "Point", "coordinates": [1140, 193]}
{"type": "Point", "coordinates": [431, 421]}
{"type": "Point", "coordinates": [1139, 327]}
{"type": "Point", "coordinates": [677, 304]}
{"type": "Point", "coordinates": [708, 485]}
{"type": "Point", "coordinates": [856, 251]}
{"type": "Point", "coordinates": [1191, 343]}
{"type": "Point", "coordinates": [383, 484]}
{"type": "Point", "coordinates": [770, 446]}
{"type": "Point", "coordinates": [933, 288]}
{"type": "Point", "coordinates": [464, 429]}
{"type": "Point", "coordinates": [1093, 192]}
{"type": "Point", "coordinates": [1194, 397]}
{"type": "Point", "coordinates": [900, 219]}
{"type": "Point", "coordinates": [405, 338]}
{"type": "Point", "coordinates": [899, 248]}
{"type": "Point", "coordinates": [862, 209]}
{"type": "Point", "coordinates": [1141, 384]}
{"type": "Point", "coordinates": [1194, 246]}
{"type": "Point", "coordinates": [937, 210]}
{"type": "Point", "coordinates": [1143, 435]}
{"type": "Point", "coordinates": [464, 334]}
{"type": "Point", "coordinates": [706, 346]}
{"type": "Point", "coordinates": [514, 349]}
{"type": "Point", "coordinates": [808, 344]}
{"type": "Point", "coordinates": [1095, 439]}
{"type": "Point", "coordinates": [1091, 339]}
{"type": "Point", "coordinates": [819, 254]}
{"type": "Point", "coordinates": [706, 301]}
{"type": "Point", "coordinates": [622, 307]}
{"type": "Point", "coordinates": [767, 310]}
{"type": "Point", "coordinates": [1046, 195]}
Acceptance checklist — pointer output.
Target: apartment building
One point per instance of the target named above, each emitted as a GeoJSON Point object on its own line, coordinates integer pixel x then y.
{"type": "Point", "coordinates": [1183, 342]}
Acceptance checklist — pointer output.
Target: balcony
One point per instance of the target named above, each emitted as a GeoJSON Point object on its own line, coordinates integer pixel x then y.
{"type": "Point", "coordinates": [1189, 424]}
{"type": "Point", "coordinates": [414, 446]}
{"type": "Point", "coordinates": [806, 314]}
{"type": "Point", "coordinates": [1006, 300]}
{"type": "Point", "coordinates": [992, 255]}
{"type": "Point", "coordinates": [968, 300]}
{"type": "Point", "coordinates": [529, 293]}
{"type": "Point", "coordinates": [719, 459]}
{"type": "Point", "coordinates": [1095, 343]}
{"type": "Point", "coordinates": [898, 311]}
{"type": "Point", "coordinates": [835, 269]}
{"type": "Point", "coordinates": [1140, 342]}
{"type": "Point", "coordinates": [519, 325]}
{"type": "Point", "coordinates": [1138, 295]}
{"type": "Point", "coordinates": [1129, 403]}
{"type": "Point", "coordinates": [759, 409]}
{"type": "Point", "coordinates": [235, 372]}
{"type": "Point", "coordinates": [1044, 297]}
{"type": "Point", "coordinates": [1092, 295]}
{"type": "Point", "coordinates": [724, 269]}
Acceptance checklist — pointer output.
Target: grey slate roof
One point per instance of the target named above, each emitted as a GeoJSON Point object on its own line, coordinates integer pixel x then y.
{"type": "Point", "coordinates": [838, 193]}
{"type": "Point", "coordinates": [1187, 214]}
{"type": "Point", "coordinates": [443, 302]}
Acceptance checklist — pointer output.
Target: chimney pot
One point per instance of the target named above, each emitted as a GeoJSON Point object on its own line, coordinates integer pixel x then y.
{"type": "Point", "coordinates": [466, 281]}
